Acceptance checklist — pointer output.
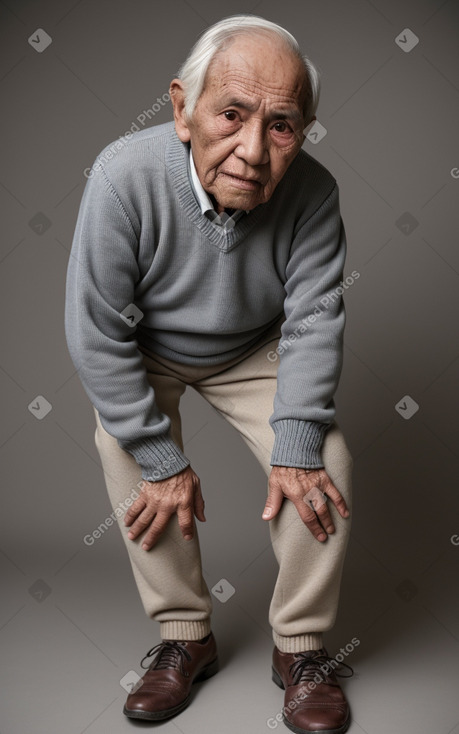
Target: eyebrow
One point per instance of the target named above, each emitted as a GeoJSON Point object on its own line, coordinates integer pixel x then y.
{"type": "Point", "coordinates": [290, 114]}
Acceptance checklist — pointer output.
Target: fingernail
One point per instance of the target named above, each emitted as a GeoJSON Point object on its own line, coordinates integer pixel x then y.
{"type": "Point", "coordinates": [130, 536]}
{"type": "Point", "coordinates": [145, 547]}
{"type": "Point", "coordinates": [346, 513]}
{"type": "Point", "coordinates": [330, 529]}
{"type": "Point", "coordinates": [322, 536]}
{"type": "Point", "coordinates": [267, 512]}
{"type": "Point", "coordinates": [188, 537]}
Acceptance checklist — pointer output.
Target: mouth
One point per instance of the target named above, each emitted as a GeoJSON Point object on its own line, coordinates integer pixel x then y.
{"type": "Point", "coordinates": [246, 184]}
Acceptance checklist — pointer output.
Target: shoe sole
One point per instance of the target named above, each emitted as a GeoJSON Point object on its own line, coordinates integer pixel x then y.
{"type": "Point", "coordinates": [205, 673]}
{"type": "Point", "coordinates": [278, 681]}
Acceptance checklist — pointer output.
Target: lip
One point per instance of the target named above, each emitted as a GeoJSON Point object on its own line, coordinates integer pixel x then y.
{"type": "Point", "coordinates": [248, 184]}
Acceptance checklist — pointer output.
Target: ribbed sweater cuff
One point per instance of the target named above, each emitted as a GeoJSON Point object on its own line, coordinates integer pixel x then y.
{"type": "Point", "coordinates": [297, 443]}
{"type": "Point", "coordinates": [159, 457]}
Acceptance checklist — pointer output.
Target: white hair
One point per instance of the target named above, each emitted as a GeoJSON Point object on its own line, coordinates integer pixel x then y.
{"type": "Point", "coordinates": [193, 71]}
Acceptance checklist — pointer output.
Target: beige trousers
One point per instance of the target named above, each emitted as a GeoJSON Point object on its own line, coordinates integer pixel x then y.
{"type": "Point", "coordinates": [169, 576]}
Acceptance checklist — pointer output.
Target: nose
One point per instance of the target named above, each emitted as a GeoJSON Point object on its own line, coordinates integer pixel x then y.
{"type": "Point", "coordinates": [252, 147]}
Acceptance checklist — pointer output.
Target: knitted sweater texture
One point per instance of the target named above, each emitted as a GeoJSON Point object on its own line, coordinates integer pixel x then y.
{"type": "Point", "coordinates": [147, 268]}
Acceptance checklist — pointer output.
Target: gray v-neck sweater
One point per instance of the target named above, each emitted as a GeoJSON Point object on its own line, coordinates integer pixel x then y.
{"type": "Point", "coordinates": [147, 268]}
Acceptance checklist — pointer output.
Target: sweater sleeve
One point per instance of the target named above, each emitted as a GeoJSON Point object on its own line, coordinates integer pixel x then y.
{"type": "Point", "coordinates": [310, 347]}
{"type": "Point", "coordinates": [101, 278]}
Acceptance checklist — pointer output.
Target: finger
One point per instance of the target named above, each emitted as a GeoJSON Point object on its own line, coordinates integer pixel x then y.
{"type": "Point", "coordinates": [138, 506]}
{"type": "Point", "coordinates": [185, 521]}
{"type": "Point", "coordinates": [324, 517]}
{"type": "Point", "coordinates": [337, 499]}
{"type": "Point", "coordinates": [310, 519]}
{"type": "Point", "coordinates": [317, 500]}
{"type": "Point", "coordinates": [157, 527]}
{"type": "Point", "coordinates": [142, 522]}
{"type": "Point", "coordinates": [199, 505]}
{"type": "Point", "coordinates": [273, 502]}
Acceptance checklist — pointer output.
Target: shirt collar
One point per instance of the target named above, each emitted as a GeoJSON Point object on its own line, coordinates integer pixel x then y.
{"type": "Point", "coordinates": [202, 197]}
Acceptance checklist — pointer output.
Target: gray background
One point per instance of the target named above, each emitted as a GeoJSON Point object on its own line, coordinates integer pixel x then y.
{"type": "Point", "coordinates": [71, 622]}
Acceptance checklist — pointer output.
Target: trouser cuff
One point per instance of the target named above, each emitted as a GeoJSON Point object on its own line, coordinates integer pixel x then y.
{"type": "Point", "coordinates": [184, 629]}
{"type": "Point", "coordinates": [298, 643]}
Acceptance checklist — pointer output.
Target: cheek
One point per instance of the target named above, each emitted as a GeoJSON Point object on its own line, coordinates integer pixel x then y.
{"type": "Point", "coordinates": [217, 153]}
{"type": "Point", "coordinates": [282, 156]}
{"type": "Point", "coordinates": [279, 165]}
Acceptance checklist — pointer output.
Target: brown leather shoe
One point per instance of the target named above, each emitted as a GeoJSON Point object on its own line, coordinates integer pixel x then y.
{"type": "Point", "coordinates": [314, 702]}
{"type": "Point", "coordinates": [165, 690]}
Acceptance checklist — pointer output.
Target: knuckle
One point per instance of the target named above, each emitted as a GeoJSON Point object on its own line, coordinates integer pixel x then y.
{"type": "Point", "coordinates": [166, 506]}
{"type": "Point", "coordinates": [311, 520]}
{"type": "Point", "coordinates": [307, 503]}
{"type": "Point", "coordinates": [139, 525]}
{"type": "Point", "coordinates": [151, 537]}
{"type": "Point", "coordinates": [185, 522]}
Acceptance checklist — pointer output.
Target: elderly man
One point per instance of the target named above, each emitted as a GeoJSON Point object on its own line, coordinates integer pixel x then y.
{"type": "Point", "coordinates": [209, 253]}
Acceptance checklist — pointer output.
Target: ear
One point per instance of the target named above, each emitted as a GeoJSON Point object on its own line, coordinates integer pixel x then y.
{"type": "Point", "coordinates": [177, 94]}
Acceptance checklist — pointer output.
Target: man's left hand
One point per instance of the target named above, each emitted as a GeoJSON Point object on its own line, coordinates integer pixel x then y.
{"type": "Point", "coordinates": [305, 487]}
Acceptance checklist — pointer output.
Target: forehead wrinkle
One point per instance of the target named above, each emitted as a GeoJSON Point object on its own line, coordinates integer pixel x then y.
{"type": "Point", "coordinates": [240, 78]}
{"type": "Point", "coordinates": [241, 71]}
{"type": "Point", "coordinates": [236, 90]}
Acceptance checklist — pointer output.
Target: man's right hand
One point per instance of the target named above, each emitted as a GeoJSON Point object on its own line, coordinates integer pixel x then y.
{"type": "Point", "coordinates": [158, 501]}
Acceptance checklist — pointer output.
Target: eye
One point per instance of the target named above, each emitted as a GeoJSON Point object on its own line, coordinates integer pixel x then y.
{"type": "Point", "coordinates": [230, 115]}
{"type": "Point", "coordinates": [281, 127]}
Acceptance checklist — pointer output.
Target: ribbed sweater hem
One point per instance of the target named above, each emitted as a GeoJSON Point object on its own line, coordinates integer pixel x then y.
{"type": "Point", "coordinates": [158, 457]}
{"type": "Point", "coordinates": [297, 443]}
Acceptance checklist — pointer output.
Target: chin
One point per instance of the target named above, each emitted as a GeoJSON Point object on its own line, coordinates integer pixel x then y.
{"type": "Point", "coordinates": [238, 202]}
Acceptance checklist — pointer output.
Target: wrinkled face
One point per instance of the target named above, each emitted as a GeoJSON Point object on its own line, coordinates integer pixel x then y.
{"type": "Point", "coordinates": [247, 126]}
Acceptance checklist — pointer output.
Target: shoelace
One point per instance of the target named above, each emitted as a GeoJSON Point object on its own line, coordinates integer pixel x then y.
{"type": "Point", "coordinates": [306, 667]}
{"type": "Point", "coordinates": [169, 654]}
